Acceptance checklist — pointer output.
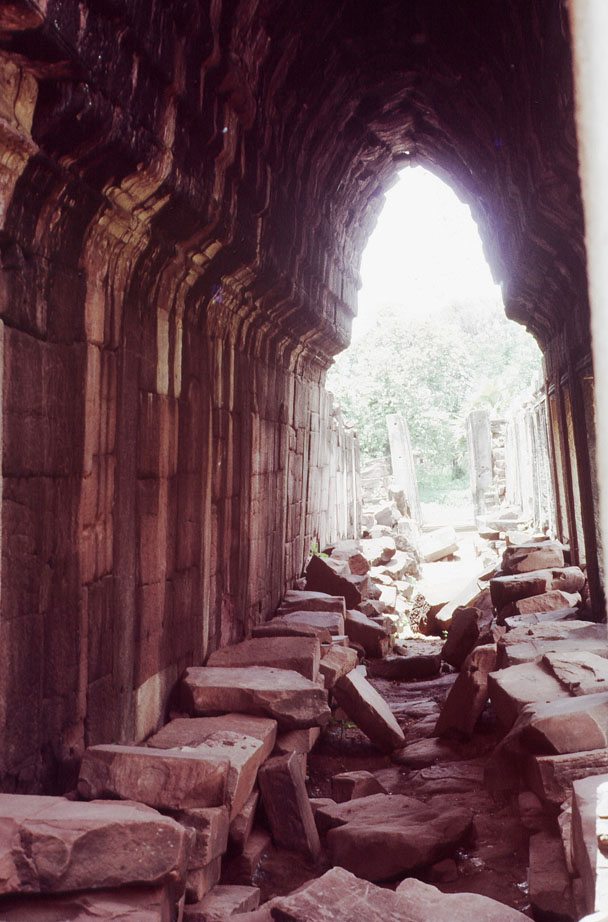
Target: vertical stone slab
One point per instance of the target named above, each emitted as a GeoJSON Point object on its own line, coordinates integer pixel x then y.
{"type": "Point", "coordinates": [402, 460]}
{"type": "Point", "coordinates": [479, 444]}
{"type": "Point", "coordinates": [287, 806]}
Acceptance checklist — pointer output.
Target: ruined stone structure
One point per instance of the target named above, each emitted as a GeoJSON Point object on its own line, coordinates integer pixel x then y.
{"type": "Point", "coordinates": [185, 189]}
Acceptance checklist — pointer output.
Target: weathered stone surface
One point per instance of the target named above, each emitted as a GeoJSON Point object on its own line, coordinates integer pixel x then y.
{"type": "Point", "coordinates": [371, 636]}
{"type": "Point", "coordinates": [242, 824]}
{"type": "Point", "coordinates": [436, 545]}
{"type": "Point", "coordinates": [369, 710]}
{"type": "Point", "coordinates": [588, 851]}
{"type": "Point", "coordinates": [241, 868]}
{"type": "Point", "coordinates": [423, 903]}
{"type": "Point", "coordinates": [567, 725]}
{"type": "Point", "coordinates": [49, 844]}
{"type": "Point", "coordinates": [549, 881]}
{"type": "Point", "coordinates": [336, 662]}
{"type": "Point", "coordinates": [300, 654]}
{"type": "Point", "coordinates": [169, 778]}
{"type": "Point", "coordinates": [505, 589]}
{"type": "Point", "coordinates": [562, 614]}
{"type": "Point", "coordinates": [125, 904]}
{"type": "Point", "coordinates": [199, 881]}
{"type": "Point", "coordinates": [580, 673]}
{"type": "Point", "coordinates": [337, 896]}
{"type": "Point", "coordinates": [462, 636]}
{"type": "Point", "coordinates": [210, 825]}
{"type": "Point", "coordinates": [524, 558]}
{"type": "Point", "coordinates": [446, 778]}
{"type": "Point", "coordinates": [551, 777]}
{"type": "Point", "coordinates": [245, 753]}
{"type": "Point", "coordinates": [331, 621]}
{"type": "Point", "coordinates": [350, 552]}
{"type": "Point", "coordinates": [406, 668]}
{"type": "Point", "coordinates": [511, 689]}
{"type": "Point", "coordinates": [530, 643]}
{"type": "Point", "coordinates": [472, 595]}
{"type": "Point", "coordinates": [222, 902]}
{"type": "Point", "coordinates": [293, 701]}
{"type": "Point", "coordinates": [307, 600]}
{"type": "Point", "coordinates": [323, 576]}
{"type": "Point", "coordinates": [424, 752]}
{"type": "Point", "coordinates": [297, 740]}
{"type": "Point", "coordinates": [381, 836]}
{"type": "Point", "coordinates": [467, 697]}
{"type": "Point", "coordinates": [350, 785]}
{"type": "Point", "coordinates": [378, 551]}
{"type": "Point", "coordinates": [555, 600]}
{"type": "Point", "coordinates": [278, 627]}
{"type": "Point", "coordinates": [286, 804]}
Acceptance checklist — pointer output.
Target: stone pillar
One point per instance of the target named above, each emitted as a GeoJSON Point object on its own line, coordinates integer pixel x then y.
{"type": "Point", "coordinates": [402, 460]}
{"type": "Point", "coordinates": [479, 444]}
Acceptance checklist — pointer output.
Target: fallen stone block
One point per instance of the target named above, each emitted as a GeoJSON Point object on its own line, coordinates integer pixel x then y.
{"type": "Point", "coordinates": [286, 804]}
{"type": "Point", "coordinates": [167, 778]}
{"type": "Point", "coordinates": [210, 826]}
{"type": "Point", "coordinates": [555, 600]}
{"type": "Point", "coordinates": [241, 868]}
{"type": "Point", "coordinates": [382, 836]}
{"type": "Point", "coordinates": [280, 628]}
{"type": "Point", "coordinates": [378, 551]}
{"type": "Point", "coordinates": [424, 903]}
{"type": "Point", "coordinates": [297, 741]}
{"type": "Point", "coordinates": [424, 752]}
{"type": "Point", "coordinates": [322, 575]}
{"type": "Point", "coordinates": [512, 588]}
{"type": "Point", "coordinates": [222, 902]}
{"type": "Point", "coordinates": [511, 689]}
{"type": "Point", "coordinates": [141, 904]}
{"type": "Point", "coordinates": [388, 597]}
{"type": "Point", "coordinates": [299, 654]}
{"type": "Point", "coordinates": [531, 812]}
{"type": "Point", "coordinates": [369, 711]}
{"type": "Point", "coordinates": [537, 617]}
{"type": "Point", "coordinates": [530, 643]}
{"type": "Point", "coordinates": [242, 824]}
{"type": "Point", "coordinates": [199, 881]}
{"type": "Point", "coordinates": [549, 881]}
{"type": "Point", "coordinates": [331, 621]}
{"type": "Point", "coordinates": [589, 839]}
{"type": "Point", "coordinates": [306, 600]}
{"type": "Point", "coordinates": [581, 673]}
{"type": "Point", "coordinates": [359, 629]}
{"type": "Point", "coordinates": [565, 726]}
{"type": "Point", "coordinates": [469, 694]}
{"type": "Point", "coordinates": [50, 844]}
{"type": "Point", "coordinates": [472, 595]}
{"type": "Point", "coordinates": [290, 699]}
{"type": "Point", "coordinates": [349, 552]}
{"type": "Point", "coordinates": [552, 777]}
{"type": "Point", "coordinates": [336, 662]}
{"type": "Point", "coordinates": [437, 544]}
{"type": "Point", "coordinates": [523, 558]}
{"type": "Point", "coordinates": [447, 778]}
{"type": "Point", "coordinates": [351, 785]}
{"type": "Point", "coordinates": [462, 636]}
{"type": "Point", "coordinates": [406, 668]}
{"type": "Point", "coordinates": [245, 753]}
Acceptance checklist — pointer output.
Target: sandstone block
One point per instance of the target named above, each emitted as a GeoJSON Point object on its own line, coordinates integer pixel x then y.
{"type": "Point", "coordinates": [437, 544]}
{"type": "Point", "coordinates": [350, 552]}
{"type": "Point", "coordinates": [511, 689]}
{"type": "Point", "coordinates": [210, 825]}
{"type": "Point", "coordinates": [222, 902]}
{"type": "Point", "coordinates": [505, 589]}
{"type": "Point", "coordinates": [423, 903]}
{"type": "Point", "coordinates": [552, 777]}
{"type": "Point", "coordinates": [424, 752]}
{"type": "Point", "coordinates": [350, 785]}
{"type": "Point", "coordinates": [49, 844]}
{"type": "Point", "coordinates": [566, 725]}
{"type": "Point", "coordinates": [322, 575]}
{"type": "Point", "coordinates": [170, 778]}
{"type": "Point", "coordinates": [242, 824]}
{"type": "Point", "coordinates": [199, 881]}
{"type": "Point", "coordinates": [280, 628]}
{"type": "Point", "coordinates": [337, 896]}
{"type": "Point", "coordinates": [371, 636]}
{"type": "Point", "coordinates": [141, 904]}
{"type": "Point", "coordinates": [588, 847]}
{"type": "Point", "coordinates": [462, 636]}
{"type": "Point", "coordinates": [549, 881]}
{"type": "Point", "coordinates": [286, 804]}
{"type": "Point", "coordinates": [530, 643]}
{"type": "Point", "coordinates": [537, 617]}
{"type": "Point", "coordinates": [580, 673]}
{"type": "Point", "coordinates": [331, 621]}
{"type": "Point", "coordinates": [300, 654]}
{"type": "Point", "coordinates": [523, 558]}
{"type": "Point", "coordinates": [297, 741]}
{"type": "Point", "coordinates": [306, 600]}
{"type": "Point", "coordinates": [241, 868]}
{"type": "Point", "coordinates": [406, 668]}
{"type": "Point", "coordinates": [336, 662]}
{"type": "Point", "coordinates": [369, 710]}
{"type": "Point", "coordinates": [554, 600]}
{"type": "Point", "coordinates": [293, 701]}
{"type": "Point", "coordinates": [469, 693]}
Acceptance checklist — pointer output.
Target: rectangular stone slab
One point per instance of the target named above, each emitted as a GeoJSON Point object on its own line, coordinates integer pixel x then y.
{"type": "Point", "coordinates": [290, 699]}
{"type": "Point", "coordinates": [223, 901]}
{"type": "Point", "coordinates": [141, 904]}
{"type": "Point", "coordinates": [372, 637]}
{"type": "Point", "coordinates": [566, 725]}
{"type": "Point", "coordinates": [307, 600]}
{"type": "Point", "coordinates": [336, 662]}
{"type": "Point", "coordinates": [469, 693]}
{"type": "Point", "coordinates": [199, 881]}
{"type": "Point", "coordinates": [244, 740]}
{"type": "Point", "coordinates": [529, 643]}
{"type": "Point", "coordinates": [280, 628]}
{"type": "Point", "coordinates": [369, 711]}
{"type": "Point", "coordinates": [581, 673]}
{"type": "Point", "coordinates": [168, 778]}
{"type": "Point", "coordinates": [523, 558]}
{"type": "Point", "coordinates": [554, 600]}
{"type": "Point", "coordinates": [552, 777]}
{"type": "Point", "coordinates": [287, 807]}
{"type": "Point", "coordinates": [549, 882]}
{"type": "Point", "coordinates": [511, 689]}
{"type": "Point", "coordinates": [50, 844]}
{"type": "Point", "coordinates": [587, 820]}
{"type": "Point", "coordinates": [331, 621]}
{"type": "Point", "coordinates": [242, 824]}
{"type": "Point", "coordinates": [210, 826]}
{"type": "Point", "coordinates": [505, 589]}
{"type": "Point", "coordinates": [301, 654]}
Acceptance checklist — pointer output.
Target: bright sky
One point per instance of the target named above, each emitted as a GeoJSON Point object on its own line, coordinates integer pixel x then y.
{"type": "Point", "coordinates": [424, 253]}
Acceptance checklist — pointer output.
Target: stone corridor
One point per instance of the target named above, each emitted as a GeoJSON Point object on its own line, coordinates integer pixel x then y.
{"type": "Point", "coordinates": [186, 187]}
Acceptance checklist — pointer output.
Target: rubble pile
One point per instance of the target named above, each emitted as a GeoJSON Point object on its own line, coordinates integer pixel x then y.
{"type": "Point", "coordinates": [477, 759]}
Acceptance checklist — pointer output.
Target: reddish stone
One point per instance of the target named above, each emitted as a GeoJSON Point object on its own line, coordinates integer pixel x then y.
{"type": "Point", "coordinates": [286, 804]}
{"type": "Point", "coordinates": [369, 710]}
{"type": "Point", "coordinates": [301, 654]}
{"type": "Point", "coordinates": [322, 575]}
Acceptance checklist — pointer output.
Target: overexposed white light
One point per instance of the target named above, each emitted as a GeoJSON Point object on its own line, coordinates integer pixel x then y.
{"type": "Point", "coordinates": [425, 252]}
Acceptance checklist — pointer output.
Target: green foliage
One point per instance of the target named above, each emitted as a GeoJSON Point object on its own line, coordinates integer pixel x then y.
{"type": "Point", "coordinates": [434, 370]}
